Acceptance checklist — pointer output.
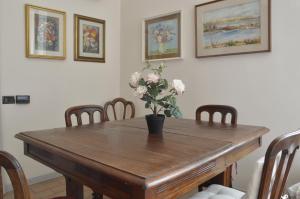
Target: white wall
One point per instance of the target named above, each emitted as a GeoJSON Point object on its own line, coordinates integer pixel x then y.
{"type": "Point", "coordinates": [1, 47]}
{"type": "Point", "coordinates": [263, 87]}
{"type": "Point", "coordinates": [53, 85]}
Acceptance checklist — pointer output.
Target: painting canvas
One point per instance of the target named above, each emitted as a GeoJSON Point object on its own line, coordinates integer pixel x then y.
{"type": "Point", "coordinates": [45, 33]}
{"type": "Point", "coordinates": [163, 37]}
{"type": "Point", "coordinates": [89, 39]}
{"type": "Point", "coordinates": [232, 27]}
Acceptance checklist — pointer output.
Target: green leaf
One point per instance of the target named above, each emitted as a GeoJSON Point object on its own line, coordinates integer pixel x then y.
{"type": "Point", "coordinates": [168, 113]}
{"type": "Point", "coordinates": [146, 98]}
{"type": "Point", "coordinates": [142, 82]}
{"type": "Point", "coordinates": [132, 86]}
{"type": "Point", "coordinates": [176, 112]}
{"type": "Point", "coordinates": [148, 104]}
{"type": "Point", "coordinates": [163, 84]}
{"type": "Point", "coordinates": [173, 101]}
{"type": "Point", "coordinates": [153, 90]}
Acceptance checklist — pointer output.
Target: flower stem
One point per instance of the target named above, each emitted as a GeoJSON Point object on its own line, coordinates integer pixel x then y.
{"type": "Point", "coordinates": [160, 109]}
{"type": "Point", "coordinates": [155, 110]}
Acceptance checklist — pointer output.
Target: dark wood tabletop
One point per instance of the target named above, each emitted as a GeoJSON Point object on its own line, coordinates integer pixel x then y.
{"type": "Point", "coordinates": [120, 159]}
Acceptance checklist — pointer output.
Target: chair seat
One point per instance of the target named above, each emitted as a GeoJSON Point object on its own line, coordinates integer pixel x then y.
{"type": "Point", "coordinates": [294, 191]}
{"type": "Point", "coordinates": [219, 192]}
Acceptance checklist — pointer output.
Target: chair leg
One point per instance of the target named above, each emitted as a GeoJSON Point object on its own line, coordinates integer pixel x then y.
{"type": "Point", "coordinates": [1, 185]}
{"type": "Point", "coordinates": [97, 195]}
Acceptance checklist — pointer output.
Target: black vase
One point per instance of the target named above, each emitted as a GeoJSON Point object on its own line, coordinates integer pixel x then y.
{"type": "Point", "coordinates": [155, 123]}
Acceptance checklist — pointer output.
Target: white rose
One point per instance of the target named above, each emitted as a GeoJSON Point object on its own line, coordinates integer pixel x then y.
{"type": "Point", "coordinates": [178, 86]}
{"type": "Point", "coordinates": [140, 91]}
{"type": "Point", "coordinates": [153, 78]}
{"type": "Point", "coordinates": [134, 79]}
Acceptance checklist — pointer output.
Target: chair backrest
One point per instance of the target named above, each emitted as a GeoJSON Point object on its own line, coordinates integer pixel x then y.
{"type": "Point", "coordinates": [124, 103]}
{"type": "Point", "coordinates": [79, 110]}
{"type": "Point", "coordinates": [285, 146]}
{"type": "Point", "coordinates": [212, 109]}
{"type": "Point", "coordinates": [16, 175]}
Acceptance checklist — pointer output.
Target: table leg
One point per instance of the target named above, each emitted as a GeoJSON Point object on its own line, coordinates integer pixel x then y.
{"type": "Point", "coordinates": [227, 177]}
{"type": "Point", "coordinates": [74, 189]}
{"type": "Point", "coordinates": [224, 179]}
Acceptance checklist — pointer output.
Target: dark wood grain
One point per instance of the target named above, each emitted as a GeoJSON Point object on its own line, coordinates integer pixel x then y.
{"type": "Point", "coordinates": [79, 110]}
{"type": "Point", "coordinates": [1, 185]}
{"type": "Point", "coordinates": [212, 109]}
{"type": "Point", "coordinates": [17, 177]}
{"type": "Point", "coordinates": [73, 189]}
{"type": "Point", "coordinates": [287, 145]}
{"type": "Point", "coordinates": [120, 160]}
{"type": "Point", "coordinates": [224, 178]}
{"type": "Point", "coordinates": [125, 105]}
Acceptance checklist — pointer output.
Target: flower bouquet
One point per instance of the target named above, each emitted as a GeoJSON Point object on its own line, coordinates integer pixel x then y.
{"type": "Point", "coordinates": [159, 95]}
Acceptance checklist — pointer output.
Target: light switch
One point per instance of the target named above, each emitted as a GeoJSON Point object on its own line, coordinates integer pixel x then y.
{"type": "Point", "coordinates": [8, 100]}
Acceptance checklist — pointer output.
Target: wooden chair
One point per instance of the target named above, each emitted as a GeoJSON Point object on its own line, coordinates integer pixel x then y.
{"type": "Point", "coordinates": [17, 177]}
{"type": "Point", "coordinates": [125, 104]}
{"type": "Point", "coordinates": [276, 167]}
{"type": "Point", "coordinates": [212, 109]}
{"type": "Point", "coordinates": [287, 145]}
{"type": "Point", "coordinates": [79, 110]}
{"type": "Point", "coordinates": [226, 176]}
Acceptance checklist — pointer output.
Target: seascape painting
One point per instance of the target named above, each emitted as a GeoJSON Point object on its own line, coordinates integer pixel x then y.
{"type": "Point", "coordinates": [232, 26]}
{"type": "Point", "coordinates": [46, 33]}
{"type": "Point", "coordinates": [163, 37]}
{"type": "Point", "coordinates": [90, 38]}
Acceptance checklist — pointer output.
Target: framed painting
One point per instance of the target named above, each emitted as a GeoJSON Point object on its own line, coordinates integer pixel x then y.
{"type": "Point", "coordinates": [162, 37]}
{"type": "Point", "coordinates": [89, 39]}
{"type": "Point", "coordinates": [45, 33]}
{"type": "Point", "coordinates": [231, 27]}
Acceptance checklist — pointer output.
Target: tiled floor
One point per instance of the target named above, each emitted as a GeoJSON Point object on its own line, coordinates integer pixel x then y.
{"type": "Point", "coordinates": [50, 189]}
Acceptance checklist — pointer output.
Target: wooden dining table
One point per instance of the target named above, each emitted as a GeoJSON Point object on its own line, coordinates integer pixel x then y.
{"type": "Point", "coordinates": [122, 161]}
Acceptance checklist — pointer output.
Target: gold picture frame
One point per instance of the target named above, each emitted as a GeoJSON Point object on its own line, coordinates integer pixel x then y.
{"type": "Point", "coordinates": [89, 39]}
{"type": "Point", "coordinates": [162, 37]}
{"type": "Point", "coordinates": [45, 31]}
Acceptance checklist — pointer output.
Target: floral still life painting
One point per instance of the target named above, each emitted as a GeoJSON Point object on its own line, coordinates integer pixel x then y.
{"type": "Point", "coordinates": [45, 33]}
{"type": "Point", "coordinates": [162, 37]}
{"type": "Point", "coordinates": [89, 39]}
{"type": "Point", "coordinates": [232, 27]}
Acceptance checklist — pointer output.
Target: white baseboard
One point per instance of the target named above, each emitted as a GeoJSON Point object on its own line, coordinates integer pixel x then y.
{"type": "Point", "coordinates": [38, 179]}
